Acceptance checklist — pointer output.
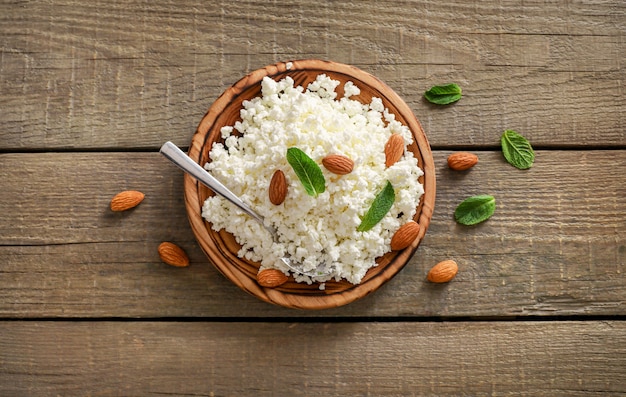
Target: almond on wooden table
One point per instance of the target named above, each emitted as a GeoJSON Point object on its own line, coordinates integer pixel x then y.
{"type": "Point", "coordinates": [461, 161]}
{"type": "Point", "coordinates": [278, 188]}
{"type": "Point", "coordinates": [443, 272]}
{"type": "Point", "coordinates": [394, 149]}
{"type": "Point", "coordinates": [126, 200]}
{"type": "Point", "coordinates": [173, 255]}
{"type": "Point", "coordinates": [271, 278]}
{"type": "Point", "coordinates": [338, 164]}
{"type": "Point", "coordinates": [405, 235]}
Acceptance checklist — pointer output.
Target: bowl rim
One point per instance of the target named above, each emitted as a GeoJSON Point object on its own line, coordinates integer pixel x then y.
{"type": "Point", "coordinates": [247, 280]}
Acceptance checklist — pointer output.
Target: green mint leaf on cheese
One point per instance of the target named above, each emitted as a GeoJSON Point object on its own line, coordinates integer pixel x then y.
{"type": "Point", "coordinates": [443, 94]}
{"type": "Point", "coordinates": [475, 209]}
{"type": "Point", "coordinates": [307, 170]}
{"type": "Point", "coordinates": [517, 150]}
{"type": "Point", "coordinates": [379, 208]}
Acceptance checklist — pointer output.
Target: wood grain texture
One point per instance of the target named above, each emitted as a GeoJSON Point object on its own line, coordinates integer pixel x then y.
{"type": "Point", "coordinates": [554, 246]}
{"type": "Point", "coordinates": [316, 359]}
{"type": "Point", "coordinates": [90, 90]}
{"type": "Point", "coordinates": [134, 74]}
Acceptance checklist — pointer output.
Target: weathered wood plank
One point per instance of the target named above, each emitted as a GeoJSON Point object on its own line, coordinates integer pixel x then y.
{"type": "Point", "coordinates": [314, 359]}
{"type": "Point", "coordinates": [554, 246]}
{"type": "Point", "coordinates": [134, 74]}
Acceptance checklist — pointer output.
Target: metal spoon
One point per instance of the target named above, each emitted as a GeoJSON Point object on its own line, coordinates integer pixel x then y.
{"type": "Point", "coordinates": [184, 162]}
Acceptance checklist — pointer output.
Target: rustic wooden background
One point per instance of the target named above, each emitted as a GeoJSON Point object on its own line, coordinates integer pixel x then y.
{"type": "Point", "coordinates": [90, 90]}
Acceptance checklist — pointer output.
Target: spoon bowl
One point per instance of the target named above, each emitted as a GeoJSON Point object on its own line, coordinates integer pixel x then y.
{"type": "Point", "coordinates": [222, 248]}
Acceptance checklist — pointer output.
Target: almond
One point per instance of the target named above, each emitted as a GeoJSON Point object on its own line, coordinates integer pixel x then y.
{"type": "Point", "coordinates": [278, 188]}
{"type": "Point", "coordinates": [126, 200]}
{"type": "Point", "coordinates": [271, 278]}
{"type": "Point", "coordinates": [394, 149]}
{"type": "Point", "coordinates": [173, 255]}
{"type": "Point", "coordinates": [338, 164]}
{"type": "Point", "coordinates": [443, 272]}
{"type": "Point", "coordinates": [461, 161]}
{"type": "Point", "coordinates": [405, 235]}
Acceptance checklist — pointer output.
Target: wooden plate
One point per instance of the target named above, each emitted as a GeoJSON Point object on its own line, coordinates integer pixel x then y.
{"type": "Point", "coordinates": [221, 247]}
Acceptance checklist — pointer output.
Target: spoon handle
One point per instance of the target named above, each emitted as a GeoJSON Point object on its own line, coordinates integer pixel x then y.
{"type": "Point", "coordinates": [184, 162]}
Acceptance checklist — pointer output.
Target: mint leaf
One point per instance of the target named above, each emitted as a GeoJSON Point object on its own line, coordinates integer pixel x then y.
{"type": "Point", "coordinates": [307, 170]}
{"type": "Point", "coordinates": [379, 208]}
{"type": "Point", "coordinates": [517, 150]}
{"type": "Point", "coordinates": [475, 209]}
{"type": "Point", "coordinates": [443, 94]}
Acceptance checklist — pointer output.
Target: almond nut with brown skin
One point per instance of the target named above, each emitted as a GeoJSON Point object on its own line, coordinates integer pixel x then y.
{"type": "Point", "coordinates": [461, 161]}
{"type": "Point", "coordinates": [338, 164]}
{"type": "Point", "coordinates": [278, 188]}
{"type": "Point", "coordinates": [126, 200]}
{"type": "Point", "coordinates": [405, 235]}
{"type": "Point", "coordinates": [173, 255]}
{"type": "Point", "coordinates": [394, 149]}
{"type": "Point", "coordinates": [443, 272]}
{"type": "Point", "coordinates": [271, 278]}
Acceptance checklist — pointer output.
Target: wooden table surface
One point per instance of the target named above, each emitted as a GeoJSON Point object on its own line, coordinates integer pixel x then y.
{"type": "Point", "coordinates": [90, 90]}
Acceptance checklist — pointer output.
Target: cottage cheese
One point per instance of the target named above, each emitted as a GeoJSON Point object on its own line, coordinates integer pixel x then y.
{"type": "Point", "coordinates": [320, 229]}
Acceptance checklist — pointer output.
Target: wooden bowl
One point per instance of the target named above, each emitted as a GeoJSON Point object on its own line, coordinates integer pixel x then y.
{"type": "Point", "coordinates": [221, 247]}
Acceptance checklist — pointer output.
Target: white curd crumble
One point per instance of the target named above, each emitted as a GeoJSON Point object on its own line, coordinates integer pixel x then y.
{"type": "Point", "coordinates": [320, 229]}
